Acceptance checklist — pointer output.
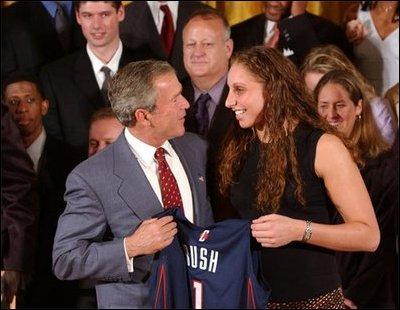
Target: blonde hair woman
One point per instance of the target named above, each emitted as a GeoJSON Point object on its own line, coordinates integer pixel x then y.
{"type": "Point", "coordinates": [323, 59]}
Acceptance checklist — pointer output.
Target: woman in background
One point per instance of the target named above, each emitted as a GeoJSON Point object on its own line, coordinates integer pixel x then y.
{"type": "Point", "coordinates": [374, 32]}
{"type": "Point", "coordinates": [323, 59]}
{"type": "Point", "coordinates": [366, 277]}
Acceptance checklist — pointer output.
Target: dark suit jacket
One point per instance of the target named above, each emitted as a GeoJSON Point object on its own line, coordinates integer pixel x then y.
{"type": "Point", "coordinates": [299, 34]}
{"type": "Point", "coordinates": [139, 28]}
{"type": "Point", "coordinates": [18, 199]}
{"type": "Point", "coordinates": [72, 90]}
{"type": "Point", "coordinates": [41, 26]}
{"type": "Point", "coordinates": [19, 51]}
{"type": "Point", "coordinates": [220, 122]}
{"type": "Point", "coordinates": [45, 290]}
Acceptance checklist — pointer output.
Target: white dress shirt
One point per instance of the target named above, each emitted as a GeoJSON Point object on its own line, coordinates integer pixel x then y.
{"type": "Point", "coordinates": [97, 64]}
{"type": "Point", "coordinates": [144, 153]}
{"type": "Point", "coordinates": [35, 150]}
{"type": "Point", "coordinates": [158, 15]}
{"type": "Point", "coordinates": [377, 59]}
{"type": "Point", "coordinates": [269, 30]}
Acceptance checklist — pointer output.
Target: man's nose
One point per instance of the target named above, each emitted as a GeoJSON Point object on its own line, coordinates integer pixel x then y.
{"type": "Point", "coordinates": [198, 49]}
{"type": "Point", "coordinates": [184, 103]}
{"type": "Point", "coordinates": [96, 22]}
{"type": "Point", "coordinates": [22, 106]}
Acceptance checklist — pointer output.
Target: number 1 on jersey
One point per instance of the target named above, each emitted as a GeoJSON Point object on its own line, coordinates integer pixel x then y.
{"type": "Point", "coordinates": [197, 294]}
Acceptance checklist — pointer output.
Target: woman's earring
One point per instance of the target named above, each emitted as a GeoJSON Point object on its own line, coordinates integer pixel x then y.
{"type": "Point", "coordinates": [359, 116]}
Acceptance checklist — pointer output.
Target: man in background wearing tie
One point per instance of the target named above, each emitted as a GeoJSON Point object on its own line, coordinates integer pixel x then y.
{"type": "Point", "coordinates": [159, 25]}
{"type": "Point", "coordinates": [76, 85]}
{"type": "Point", "coordinates": [287, 25]}
{"type": "Point", "coordinates": [207, 48]}
{"type": "Point", "coordinates": [152, 165]}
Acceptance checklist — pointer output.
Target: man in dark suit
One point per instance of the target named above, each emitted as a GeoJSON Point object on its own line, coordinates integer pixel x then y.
{"type": "Point", "coordinates": [146, 23]}
{"type": "Point", "coordinates": [207, 48]}
{"type": "Point", "coordinates": [41, 18]}
{"type": "Point", "coordinates": [53, 160]}
{"type": "Point", "coordinates": [76, 85]}
{"type": "Point", "coordinates": [152, 165]}
{"type": "Point", "coordinates": [287, 26]}
{"type": "Point", "coordinates": [19, 50]}
{"type": "Point", "coordinates": [18, 211]}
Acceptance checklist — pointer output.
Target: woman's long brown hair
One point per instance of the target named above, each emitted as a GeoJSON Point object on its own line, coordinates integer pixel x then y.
{"type": "Point", "coordinates": [286, 104]}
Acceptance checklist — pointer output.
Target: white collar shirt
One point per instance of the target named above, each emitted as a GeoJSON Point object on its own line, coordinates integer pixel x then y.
{"type": "Point", "coordinates": [144, 153]}
{"type": "Point", "coordinates": [145, 156]}
{"type": "Point", "coordinates": [97, 64]}
{"type": "Point", "coordinates": [35, 150]}
{"type": "Point", "coordinates": [158, 15]}
{"type": "Point", "coordinates": [269, 30]}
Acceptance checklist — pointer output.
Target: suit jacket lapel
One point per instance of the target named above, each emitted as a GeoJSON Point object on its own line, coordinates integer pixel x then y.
{"type": "Point", "coordinates": [259, 30]}
{"type": "Point", "coordinates": [125, 57]}
{"type": "Point", "coordinates": [188, 93]}
{"type": "Point", "coordinates": [134, 188]}
{"type": "Point", "coordinates": [222, 113]}
{"type": "Point", "coordinates": [86, 80]}
{"type": "Point", "coordinates": [146, 23]}
{"type": "Point", "coordinates": [177, 48]}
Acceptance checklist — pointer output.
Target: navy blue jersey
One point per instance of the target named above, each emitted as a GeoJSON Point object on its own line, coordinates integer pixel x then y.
{"type": "Point", "coordinates": [211, 267]}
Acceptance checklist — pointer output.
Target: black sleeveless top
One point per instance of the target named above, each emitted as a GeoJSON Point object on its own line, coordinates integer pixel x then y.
{"type": "Point", "coordinates": [296, 271]}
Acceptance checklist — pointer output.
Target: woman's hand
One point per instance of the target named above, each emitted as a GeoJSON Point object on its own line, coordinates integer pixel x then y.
{"type": "Point", "coordinates": [275, 230]}
{"type": "Point", "coordinates": [355, 31]}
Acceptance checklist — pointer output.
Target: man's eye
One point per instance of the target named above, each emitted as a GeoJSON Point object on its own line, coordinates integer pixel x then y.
{"type": "Point", "coordinates": [13, 102]}
{"type": "Point", "coordinates": [30, 100]}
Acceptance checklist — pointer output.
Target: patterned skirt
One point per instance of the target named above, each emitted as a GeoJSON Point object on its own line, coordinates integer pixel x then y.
{"type": "Point", "coordinates": [331, 300]}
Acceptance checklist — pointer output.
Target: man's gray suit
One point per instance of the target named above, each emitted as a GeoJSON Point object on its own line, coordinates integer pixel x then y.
{"type": "Point", "coordinates": [110, 190]}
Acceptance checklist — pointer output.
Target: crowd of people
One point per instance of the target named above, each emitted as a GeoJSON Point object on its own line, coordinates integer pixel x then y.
{"type": "Point", "coordinates": [112, 113]}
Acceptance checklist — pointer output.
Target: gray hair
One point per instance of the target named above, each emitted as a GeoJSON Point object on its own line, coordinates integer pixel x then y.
{"type": "Point", "coordinates": [132, 88]}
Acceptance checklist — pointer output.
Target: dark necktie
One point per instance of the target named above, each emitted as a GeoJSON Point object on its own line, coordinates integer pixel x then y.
{"type": "Point", "coordinates": [171, 196]}
{"type": "Point", "coordinates": [201, 114]}
{"type": "Point", "coordinates": [167, 30]}
{"type": "Point", "coordinates": [62, 25]}
{"type": "Point", "coordinates": [104, 88]}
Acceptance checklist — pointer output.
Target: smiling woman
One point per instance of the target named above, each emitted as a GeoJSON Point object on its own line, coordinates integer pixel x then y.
{"type": "Point", "coordinates": [284, 150]}
{"type": "Point", "coordinates": [341, 103]}
{"type": "Point", "coordinates": [366, 277]}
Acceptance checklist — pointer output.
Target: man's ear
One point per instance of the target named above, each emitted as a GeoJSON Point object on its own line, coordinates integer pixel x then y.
{"type": "Point", "coordinates": [44, 107]}
{"type": "Point", "coordinates": [121, 13]}
{"type": "Point", "coordinates": [142, 116]}
{"type": "Point", "coordinates": [78, 18]}
{"type": "Point", "coordinates": [229, 47]}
